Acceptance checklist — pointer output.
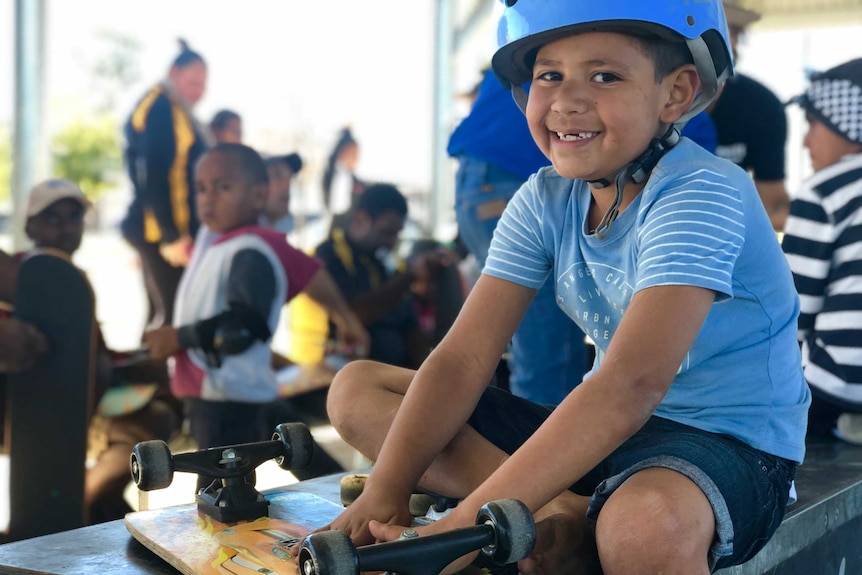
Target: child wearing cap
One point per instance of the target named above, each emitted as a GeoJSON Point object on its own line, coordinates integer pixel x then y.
{"type": "Point", "coordinates": [131, 394]}
{"type": "Point", "coordinates": [55, 215]}
{"type": "Point", "coordinates": [823, 243]}
{"type": "Point", "coordinates": [677, 451]}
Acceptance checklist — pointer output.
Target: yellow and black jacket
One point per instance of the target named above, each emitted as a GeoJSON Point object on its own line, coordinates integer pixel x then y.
{"type": "Point", "coordinates": [163, 143]}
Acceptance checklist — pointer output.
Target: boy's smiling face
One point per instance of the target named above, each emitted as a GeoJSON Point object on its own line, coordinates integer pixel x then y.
{"type": "Point", "coordinates": [224, 199]}
{"type": "Point", "coordinates": [594, 103]}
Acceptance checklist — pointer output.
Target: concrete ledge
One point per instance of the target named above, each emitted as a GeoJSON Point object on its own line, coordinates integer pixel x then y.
{"type": "Point", "coordinates": [822, 531]}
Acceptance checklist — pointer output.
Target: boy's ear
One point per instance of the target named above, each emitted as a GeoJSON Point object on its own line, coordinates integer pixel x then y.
{"type": "Point", "coordinates": [682, 85]}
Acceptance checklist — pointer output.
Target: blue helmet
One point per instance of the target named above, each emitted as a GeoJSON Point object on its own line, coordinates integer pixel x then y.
{"type": "Point", "coordinates": [528, 24]}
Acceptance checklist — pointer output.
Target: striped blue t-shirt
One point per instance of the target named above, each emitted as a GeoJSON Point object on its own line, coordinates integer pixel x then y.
{"type": "Point", "coordinates": [699, 222]}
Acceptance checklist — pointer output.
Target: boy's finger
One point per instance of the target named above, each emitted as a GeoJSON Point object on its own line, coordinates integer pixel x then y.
{"type": "Point", "coordinates": [384, 531]}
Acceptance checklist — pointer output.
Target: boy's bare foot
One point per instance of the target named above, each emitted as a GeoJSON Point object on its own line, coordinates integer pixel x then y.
{"type": "Point", "coordinates": [564, 543]}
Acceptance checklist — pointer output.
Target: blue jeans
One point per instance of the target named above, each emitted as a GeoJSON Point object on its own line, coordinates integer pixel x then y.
{"type": "Point", "coordinates": [548, 354]}
{"type": "Point", "coordinates": [747, 488]}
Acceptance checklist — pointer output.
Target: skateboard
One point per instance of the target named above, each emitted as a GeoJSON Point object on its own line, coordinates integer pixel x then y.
{"type": "Point", "coordinates": [233, 529]}
{"type": "Point", "coordinates": [47, 486]}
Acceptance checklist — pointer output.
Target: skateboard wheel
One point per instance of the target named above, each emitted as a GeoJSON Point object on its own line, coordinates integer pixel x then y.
{"type": "Point", "coordinates": [297, 445]}
{"type": "Point", "coordinates": [420, 504]}
{"type": "Point", "coordinates": [351, 487]}
{"type": "Point", "coordinates": [514, 530]}
{"type": "Point", "coordinates": [328, 553]}
{"type": "Point", "coordinates": [352, 484]}
{"type": "Point", "coordinates": [152, 465]}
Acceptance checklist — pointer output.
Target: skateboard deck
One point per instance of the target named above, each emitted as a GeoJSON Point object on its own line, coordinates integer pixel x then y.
{"type": "Point", "coordinates": [52, 399]}
{"type": "Point", "coordinates": [234, 529]}
{"type": "Point", "coordinates": [197, 544]}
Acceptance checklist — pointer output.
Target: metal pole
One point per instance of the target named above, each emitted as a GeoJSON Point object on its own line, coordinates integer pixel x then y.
{"type": "Point", "coordinates": [442, 195]}
{"type": "Point", "coordinates": [27, 145]}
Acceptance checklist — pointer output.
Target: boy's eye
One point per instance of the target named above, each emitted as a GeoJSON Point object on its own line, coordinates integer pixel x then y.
{"type": "Point", "coordinates": [548, 76]}
{"type": "Point", "coordinates": [605, 77]}
{"type": "Point", "coordinates": [53, 219]}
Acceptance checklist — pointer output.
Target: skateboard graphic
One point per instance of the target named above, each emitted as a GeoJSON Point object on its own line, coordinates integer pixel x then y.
{"type": "Point", "coordinates": [233, 529]}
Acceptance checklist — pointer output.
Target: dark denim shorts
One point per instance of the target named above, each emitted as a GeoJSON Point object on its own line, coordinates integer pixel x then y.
{"type": "Point", "coordinates": [747, 488]}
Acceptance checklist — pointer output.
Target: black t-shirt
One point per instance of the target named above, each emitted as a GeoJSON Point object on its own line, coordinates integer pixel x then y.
{"type": "Point", "coordinates": [752, 128]}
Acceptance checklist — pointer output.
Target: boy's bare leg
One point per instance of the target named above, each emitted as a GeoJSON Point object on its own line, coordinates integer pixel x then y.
{"type": "Point", "coordinates": [362, 403]}
{"type": "Point", "coordinates": [564, 542]}
{"type": "Point", "coordinates": [658, 521]}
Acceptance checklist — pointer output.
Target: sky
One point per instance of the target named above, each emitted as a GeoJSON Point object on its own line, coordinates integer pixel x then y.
{"type": "Point", "coordinates": [297, 71]}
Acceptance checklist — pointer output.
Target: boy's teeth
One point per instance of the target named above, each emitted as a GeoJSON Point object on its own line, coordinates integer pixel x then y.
{"type": "Point", "coordinates": [573, 137]}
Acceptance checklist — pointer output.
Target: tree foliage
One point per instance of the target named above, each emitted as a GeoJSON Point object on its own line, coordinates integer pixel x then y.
{"type": "Point", "coordinates": [87, 151]}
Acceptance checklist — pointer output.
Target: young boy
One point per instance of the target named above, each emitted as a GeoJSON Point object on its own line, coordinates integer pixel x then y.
{"type": "Point", "coordinates": [229, 300]}
{"type": "Point", "coordinates": [679, 447]}
{"type": "Point", "coordinates": [226, 127]}
{"type": "Point", "coordinates": [822, 244]}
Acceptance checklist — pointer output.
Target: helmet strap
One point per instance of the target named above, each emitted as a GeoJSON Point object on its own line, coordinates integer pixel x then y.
{"type": "Point", "coordinates": [520, 96]}
{"type": "Point", "coordinates": [637, 171]}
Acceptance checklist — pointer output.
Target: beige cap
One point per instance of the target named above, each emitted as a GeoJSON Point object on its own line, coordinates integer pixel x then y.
{"type": "Point", "coordinates": [46, 193]}
{"type": "Point", "coordinates": [737, 16]}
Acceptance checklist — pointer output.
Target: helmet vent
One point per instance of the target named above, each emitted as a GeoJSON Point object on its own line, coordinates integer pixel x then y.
{"type": "Point", "coordinates": [689, 20]}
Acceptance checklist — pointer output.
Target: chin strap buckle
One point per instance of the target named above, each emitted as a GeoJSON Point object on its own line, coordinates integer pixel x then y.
{"type": "Point", "coordinates": [637, 171]}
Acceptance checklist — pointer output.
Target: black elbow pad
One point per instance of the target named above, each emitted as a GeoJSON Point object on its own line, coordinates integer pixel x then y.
{"type": "Point", "coordinates": [231, 332]}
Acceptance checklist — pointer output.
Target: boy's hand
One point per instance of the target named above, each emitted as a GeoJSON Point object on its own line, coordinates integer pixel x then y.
{"type": "Point", "coordinates": [427, 265]}
{"type": "Point", "coordinates": [368, 507]}
{"type": "Point", "coordinates": [21, 345]}
{"type": "Point", "coordinates": [177, 253]}
{"type": "Point", "coordinates": [353, 335]}
{"type": "Point", "coordinates": [384, 532]}
{"type": "Point", "coordinates": [162, 342]}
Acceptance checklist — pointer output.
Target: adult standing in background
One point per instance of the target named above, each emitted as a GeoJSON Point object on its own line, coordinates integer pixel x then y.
{"type": "Point", "coordinates": [496, 154]}
{"type": "Point", "coordinates": [752, 126]}
{"type": "Point", "coordinates": [341, 186]}
{"type": "Point", "coordinates": [163, 142]}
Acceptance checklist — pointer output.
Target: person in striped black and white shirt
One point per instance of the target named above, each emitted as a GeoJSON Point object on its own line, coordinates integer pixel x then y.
{"type": "Point", "coordinates": [823, 244]}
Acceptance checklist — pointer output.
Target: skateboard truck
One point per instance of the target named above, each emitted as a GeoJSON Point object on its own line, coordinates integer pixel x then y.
{"type": "Point", "coordinates": [504, 532]}
{"type": "Point", "coordinates": [230, 497]}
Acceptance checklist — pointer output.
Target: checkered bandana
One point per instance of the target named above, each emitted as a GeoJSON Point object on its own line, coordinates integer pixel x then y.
{"type": "Point", "coordinates": [835, 98]}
